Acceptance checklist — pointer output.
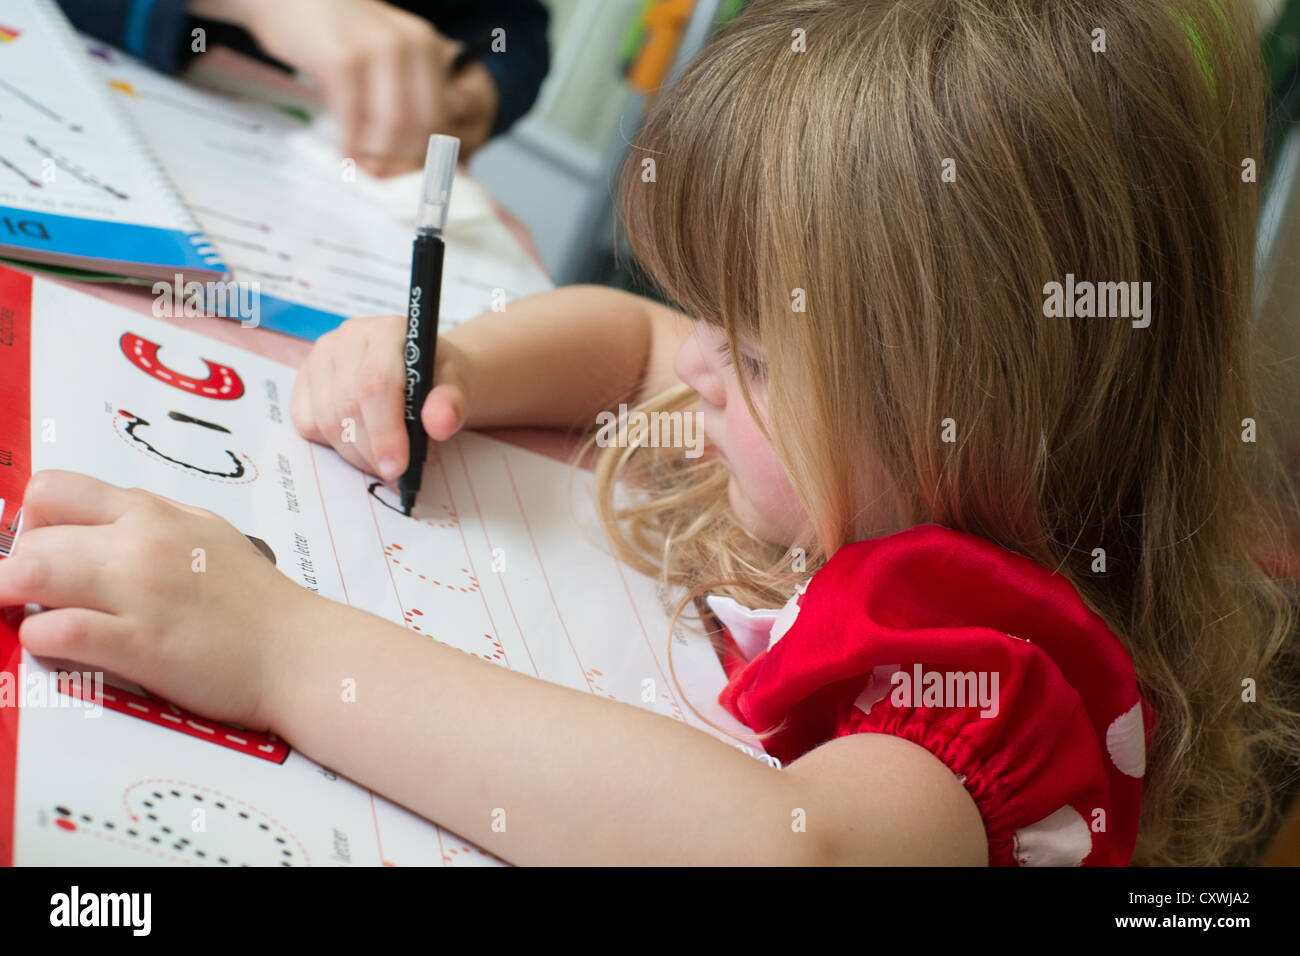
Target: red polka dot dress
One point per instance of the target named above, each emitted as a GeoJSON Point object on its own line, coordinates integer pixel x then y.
{"type": "Point", "coordinates": [990, 661]}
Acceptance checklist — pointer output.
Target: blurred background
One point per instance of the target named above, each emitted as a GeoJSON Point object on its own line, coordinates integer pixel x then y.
{"type": "Point", "coordinates": [556, 168]}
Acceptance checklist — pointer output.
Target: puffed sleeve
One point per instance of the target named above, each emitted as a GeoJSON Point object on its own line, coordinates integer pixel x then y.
{"type": "Point", "coordinates": [988, 660]}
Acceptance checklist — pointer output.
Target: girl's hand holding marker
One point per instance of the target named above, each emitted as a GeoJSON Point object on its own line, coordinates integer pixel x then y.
{"type": "Point", "coordinates": [362, 403]}
{"type": "Point", "coordinates": [350, 389]}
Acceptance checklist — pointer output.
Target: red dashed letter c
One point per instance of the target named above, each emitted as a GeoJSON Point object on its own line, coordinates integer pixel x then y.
{"type": "Point", "coordinates": [223, 382]}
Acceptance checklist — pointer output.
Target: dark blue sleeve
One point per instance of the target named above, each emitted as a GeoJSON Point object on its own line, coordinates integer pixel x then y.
{"type": "Point", "coordinates": [518, 69]}
{"type": "Point", "coordinates": [157, 31]}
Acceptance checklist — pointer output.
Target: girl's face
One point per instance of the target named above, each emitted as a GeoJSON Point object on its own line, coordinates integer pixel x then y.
{"type": "Point", "coordinates": [761, 495]}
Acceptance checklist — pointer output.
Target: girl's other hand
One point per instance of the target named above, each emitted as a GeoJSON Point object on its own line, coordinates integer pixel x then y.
{"type": "Point", "coordinates": [351, 388]}
{"type": "Point", "coordinates": [169, 596]}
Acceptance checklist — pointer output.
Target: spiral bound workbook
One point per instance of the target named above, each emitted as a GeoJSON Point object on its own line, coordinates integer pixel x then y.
{"type": "Point", "coordinates": [79, 188]}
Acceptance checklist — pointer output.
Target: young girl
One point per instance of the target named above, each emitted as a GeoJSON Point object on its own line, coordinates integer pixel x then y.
{"type": "Point", "coordinates": [1014, 547]}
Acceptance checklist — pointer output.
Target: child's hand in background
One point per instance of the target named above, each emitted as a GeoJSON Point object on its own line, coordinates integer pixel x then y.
{"type": "Point", "coordinates": [385, 73]}
{"type": "Point", "coordinates": [350, 394]}
{"type": "Point", "coordinates": [169, 596]}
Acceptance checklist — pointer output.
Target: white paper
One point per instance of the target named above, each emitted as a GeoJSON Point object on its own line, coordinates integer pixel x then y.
{"type": "Point", "coordinates": [500, 559]}
{"type": "Point", "coordinates": [288, 213]}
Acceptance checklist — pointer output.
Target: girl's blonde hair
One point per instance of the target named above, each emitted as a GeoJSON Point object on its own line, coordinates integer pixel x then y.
{"type": "Point", "coordinates": [782, 173]}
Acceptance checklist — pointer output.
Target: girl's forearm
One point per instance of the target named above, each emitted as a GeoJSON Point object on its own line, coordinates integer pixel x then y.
{"type": "Point", "coordinates": [531, 771]}
{"type": "Point", "coordinates": [557, 359]}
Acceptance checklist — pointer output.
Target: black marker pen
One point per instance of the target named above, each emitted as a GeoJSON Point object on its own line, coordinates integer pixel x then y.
{"type": "Point", "coordinates": [422, 307]}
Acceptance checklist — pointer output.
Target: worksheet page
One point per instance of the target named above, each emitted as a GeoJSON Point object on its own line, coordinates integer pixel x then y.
{"type": "Point", "coordinates": [262, 178]}
{"type": "Point", "coordinates": [502, 557]}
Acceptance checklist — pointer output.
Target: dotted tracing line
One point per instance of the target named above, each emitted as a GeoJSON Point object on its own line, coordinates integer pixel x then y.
{"type": "Point", "coordinates": [592, 675]}
{"type": "Point", "coordinates": [498, 652]}
{"type": "Point", "coordinates": [677, 711]}
{"type": "Point", "coordinates": [450, 855]}
{"type": "Point", "coordinates": [252, 466]}
{"type": "Point", "coordinates": [65, 822]}
{"type": "Point", "coordinates": [452, 520]}
{"type": "Point", "coordinates": [166, 855]}
{"type": "Point", "coordinates": [172, 784]}
{"type": "Point", "coordinates": [473, 581]}
{"type": "Point", "coordinates": [487, 537]}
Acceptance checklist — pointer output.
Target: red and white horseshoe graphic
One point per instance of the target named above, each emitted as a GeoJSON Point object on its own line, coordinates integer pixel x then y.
{"type": "Point", "coordinates": [223, 382]}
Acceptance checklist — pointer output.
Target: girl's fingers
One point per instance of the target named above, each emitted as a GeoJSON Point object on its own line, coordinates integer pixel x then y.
{"type": "Point", "coordinates": [54, 579]}
{"type": "Point", "coordinates": [380, 397]}
{"type": "Point", "coordinates": [66, 497]}
{"type": "Point", "coordinates": [328, 421]}
{"type": "Point", "coordinates": [90, 543]}
{"type": "Point", "coordinates": [300, 407]}
{"type": "Point", "coordinates": [76, 634]}
{"type": "Point", "coordinates": [320, 387]}
{"type": "Point", "coordinates": [331, 404]}
{"type": "Point", "coordinates": [386, 431]}
{"type": "Point", "coordinates": [444, 412]}
{"type": "Point", "coordinates": [353, 442]}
